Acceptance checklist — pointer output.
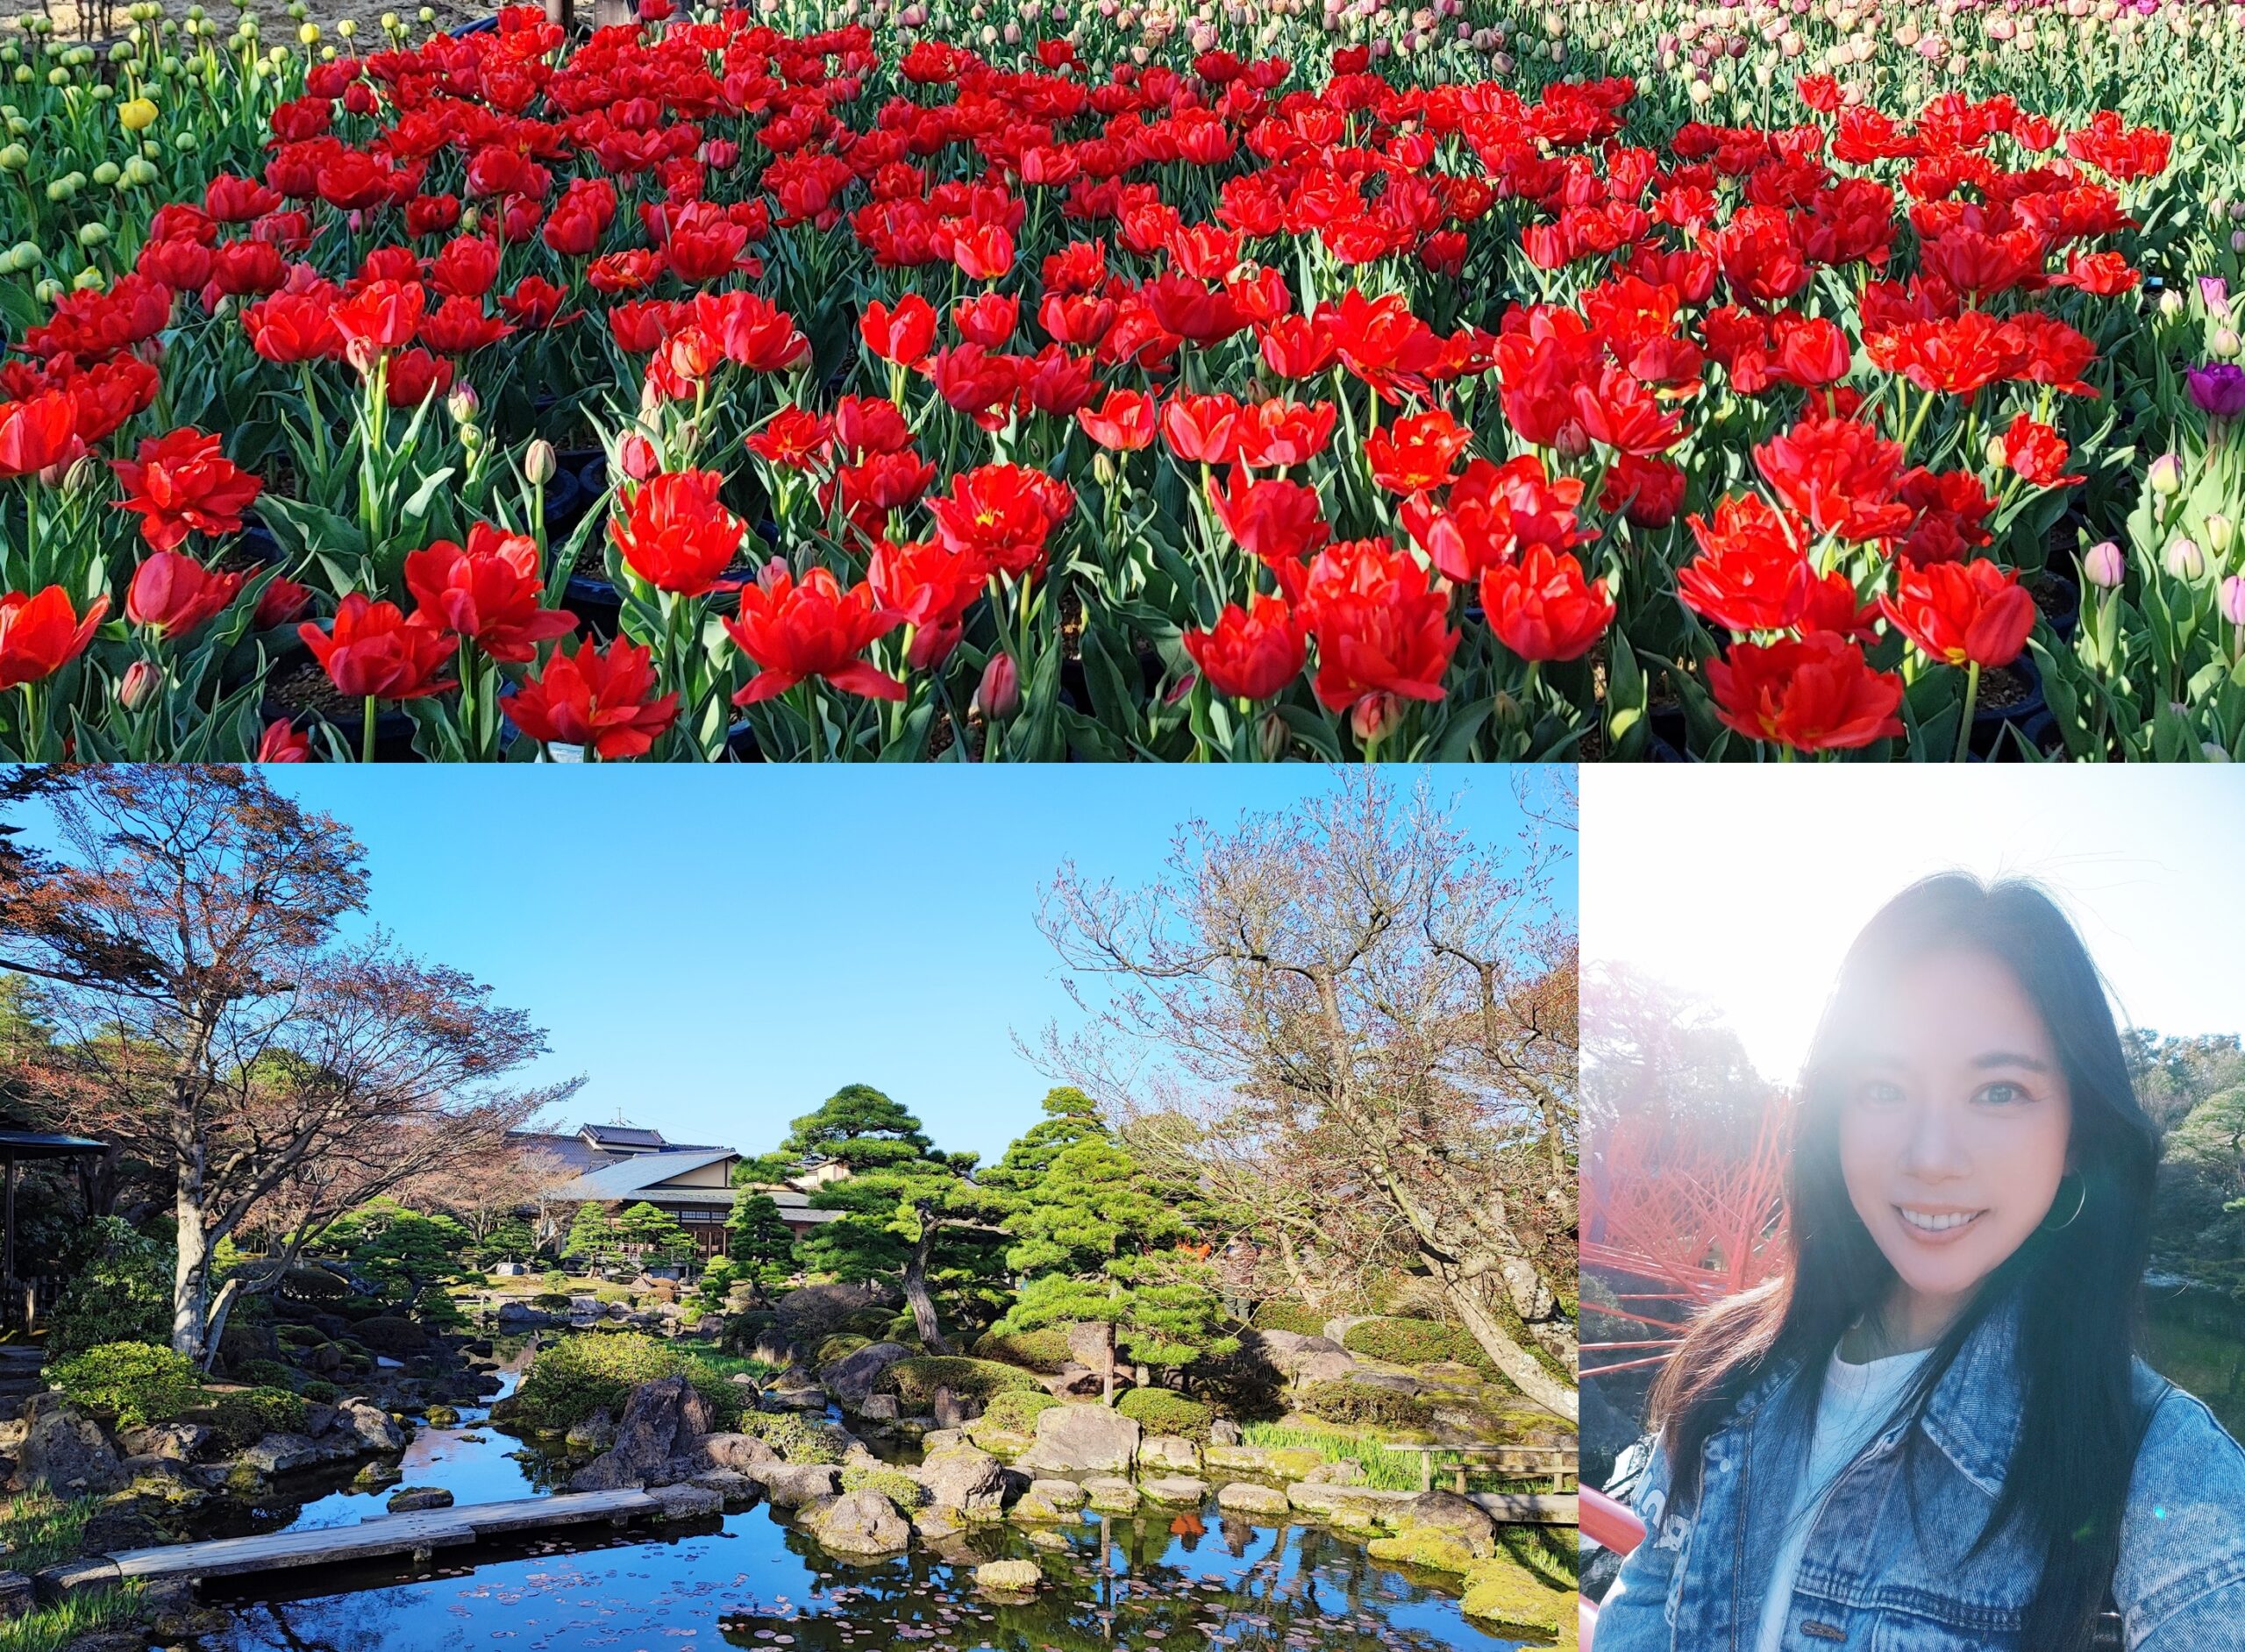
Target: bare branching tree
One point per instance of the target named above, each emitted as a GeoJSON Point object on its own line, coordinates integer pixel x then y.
{"type": "Point", "coordinates": [1356, 1025]}
{"type": "Point", "coordinates": [210, 1018]}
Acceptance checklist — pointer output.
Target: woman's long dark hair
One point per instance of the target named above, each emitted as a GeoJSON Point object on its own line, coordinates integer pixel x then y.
{"type": "Point", "coordinates": [2077, 1287]}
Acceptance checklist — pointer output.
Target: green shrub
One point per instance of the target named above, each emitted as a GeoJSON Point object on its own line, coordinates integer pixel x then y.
{"type": "Point", "coordinates": [607, 1293]}
{"type": "Point", "coordinates": [1402, 1342]}
{"type": "Point", "coordinates": [267, 1373]}
{"type": "Point", "coordinates": [914, 1381]}
{"type": "Point", "coordinates": [136, 1383]}
{"type": "Point", "coordinates": [237, 1419]}
{"type": "Point", "coordinates": [897, 1486]}
{"type": "Point", "coordinates": [1354, 1403]}
{"type": "Point", "coordinates": [554, 1279]}
{"type": "Point", "coordinates": [1044, 1350]}
{"type": "Point", "coordinates": [1159, 1411]}
{"type": "Point", "coordinates": [794, 1437]}
{"type": "Point", "coordinates": [868, 1321]}
{"type": "Point", "coordinates": [580, 1375]}
{"type": "Point", "coordinates": [840, 1346]}
{"type": "Point", "coordinates": [1016, 1410]}
{"type": "Point", "coordinates": [1283, 1314]}
{"type": "Point", "coordinates": [321, 1391]}
{"type": "Point", "coordinates": [551, 1302]}
{"type": "Point", "coordinates": [121, 1293]}
{"type": "Point", "coordinates": [298, 1336]}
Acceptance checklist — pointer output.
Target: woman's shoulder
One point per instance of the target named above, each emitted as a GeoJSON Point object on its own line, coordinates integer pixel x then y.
{"type": "Point", "coordinates": [2182, 1536]}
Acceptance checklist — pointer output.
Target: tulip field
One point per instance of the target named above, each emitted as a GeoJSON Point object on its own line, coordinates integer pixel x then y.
{"type": "Point", "coordinates": [1127, 381]}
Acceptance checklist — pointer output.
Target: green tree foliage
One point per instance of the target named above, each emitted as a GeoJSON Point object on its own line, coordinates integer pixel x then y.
{"type": "Point", "coordinates": [1070, 1116]}
{"type": "Point", "coordinates": [761, 1245]}
{"type": "Point", "coordinates": [591, 1241]}
{"type": "Point", "coordinates": [120, 1289]}
{"type": "Point", "coordinates": [1104, 1244]}
{"type": "Point", "coordinates": [401, 1253]}
{"type": "Point", "coordinates": [653, 1237]}
{"type": "Point", "coordinates": [907, 1212]}
{"type": "Point", "coordinates": [511, 1239]}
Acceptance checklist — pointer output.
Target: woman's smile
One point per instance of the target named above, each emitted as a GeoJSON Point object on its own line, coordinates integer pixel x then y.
{"type": "Point", "coordinates": [1936, 1227]}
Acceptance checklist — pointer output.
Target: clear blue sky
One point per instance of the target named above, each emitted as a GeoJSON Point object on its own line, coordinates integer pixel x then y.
{"type": "Point", "coordinates": [718, 950]}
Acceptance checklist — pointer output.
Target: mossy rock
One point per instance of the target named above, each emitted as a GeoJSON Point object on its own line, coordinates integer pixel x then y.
{"type": "Point", "coordinates": [441, 1416]}
{"type": "Point", "coordinates": [1295, 1463]}
{"type": "Point", "coordinates": [1429, 1549]}
{"type": "Point", "coordinates": [1503, 1590]}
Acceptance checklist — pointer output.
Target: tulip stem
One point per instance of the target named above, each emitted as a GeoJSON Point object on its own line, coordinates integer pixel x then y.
{"type": "Point", "coordinates": [366, 732]}
{"type": "Point", "coordinates": [1964, 726]}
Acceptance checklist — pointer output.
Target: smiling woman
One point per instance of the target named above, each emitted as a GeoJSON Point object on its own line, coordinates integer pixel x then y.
{"type": "Point", "coordinates": [1928, 1430]}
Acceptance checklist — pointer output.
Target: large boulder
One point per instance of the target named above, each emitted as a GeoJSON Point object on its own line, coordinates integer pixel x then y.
{"type": "Point", "coordinates": [1083, 1439]}
{"type": "Point", "coordinates": [281, 1452]}
{"type": "Point", "coordinates": [1009, 1577]}
{"type": "Point", "coordinates": [663, 1420]}
{"type": "Point", "coordinates": [1049, 1500]}
{"type": "Point", "coordinates": [1300, 1358]}
{"type": "Point", "coordinates": [1110, 1494]}
{"type": "Point", "coordinates": [64, 1450]}
{"type": "Point", "coordinates": [964, 1479]}
{"type": "Point", "coordinates": [857, 1523]}
{"type": "Point", "coordinates": [374, 1428]}
{"type": "Point", "coordinates": [794, 1484]}
{"type": "Point", "coordinates": [853, 1379]}
{"type": "Point", "coordinates": [739, 1452]}
{"type": "Point", "coordinates": [1169, 1451]}
{"type": "Point", "coordinates": [521, 1317]}
{"type": "Point", "coordinates": [172, 1442]}
{"type": "Point", "coordinates": [687, 1502]}
{"type": "Point", "coordinates": [1460, 1519]}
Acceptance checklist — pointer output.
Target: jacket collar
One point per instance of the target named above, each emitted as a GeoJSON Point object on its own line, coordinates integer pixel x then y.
{"type": "Point", "coordinates": [1974, 1415]}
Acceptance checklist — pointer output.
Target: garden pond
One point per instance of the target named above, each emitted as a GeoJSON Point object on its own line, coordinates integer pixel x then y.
{"type": "Point", "coordinates": [1166, 1582]}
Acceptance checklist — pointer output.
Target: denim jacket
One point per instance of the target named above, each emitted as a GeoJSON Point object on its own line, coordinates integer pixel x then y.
{"type": "Point", "coordinates": [1873, 1579]}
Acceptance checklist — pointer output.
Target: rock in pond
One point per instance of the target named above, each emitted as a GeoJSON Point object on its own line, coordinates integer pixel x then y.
{"type": "Point", "coordinates": [1110, 1494]}
{"type": "Point", "coordinates": [1169, 1451]}
{"type": "Point", "coordinates": [1175, 1490]}
{"type": "Point", "coordinates": [64, 1450]}
{"type": "Point", "coordinates": [687, 1502]}
{"type": "Point", "coordinates": [407, 1499]}
{"type": "Point", "coordinates": [971, 1482]}
{"type": "Point", "coordinates": [1049, 1500]}
{"type": "Point", "coordinates": [857, 1523]}
{"type": "Point", "coordinates": [795, 1484]}
{"type": "Point", "coordinates": [1083, 1439]}
{"type": "Point", "coordinates": [662, 1419]}
{"type": "Point", "coordinates": [1009, 1577]}
{"type": "Point", "coordinates": [1244, 1496]}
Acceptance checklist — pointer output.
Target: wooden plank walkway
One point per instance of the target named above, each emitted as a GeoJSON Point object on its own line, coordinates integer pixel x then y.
{"type": "Point", "coordinates": [1530, 1508]}
{"type": "Point", "coordinates": [421, 1531]}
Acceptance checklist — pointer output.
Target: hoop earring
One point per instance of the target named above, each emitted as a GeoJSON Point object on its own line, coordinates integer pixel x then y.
{"type": "Point", "coordinates": [2082, 1189]}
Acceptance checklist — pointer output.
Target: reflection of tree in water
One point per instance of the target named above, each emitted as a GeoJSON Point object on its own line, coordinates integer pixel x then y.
{"type": "Point", "coordinates": [1120, 1583]}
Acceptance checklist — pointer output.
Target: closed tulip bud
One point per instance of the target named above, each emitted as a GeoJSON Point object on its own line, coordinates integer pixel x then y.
{"type": "Point", "coordinates": [2233, 599]}
{"type": "Point", "coordinates": [2220, 530]}
{"type": "Point", "coordinates": [1375, 717]}
{"type": "Point", "coordinates": [139, 682]}
{"type": "Point", "coordinates": [2166, 475]}
{"type": "Point", "coordinates": [1994, 451]}
{"type": "Point", "coordinates": [462, 403]}
{"type": "Point", "coordinates": [2171, 305]}
{"type": "Point", "coordinates": [539, 462]}
{"type": "Point", "coordinates": [2104, 566]}
{"type": "Point", "coordinates": [998, 695]}
{"type": "Point", "coordinates": [1273, 736]}
{"type": "Point", "coordinates": [2224, 343]}
{"type": "Point", "coordinates": [2184, 559]}
{"type": "Point", "coordinates": [637, 456]}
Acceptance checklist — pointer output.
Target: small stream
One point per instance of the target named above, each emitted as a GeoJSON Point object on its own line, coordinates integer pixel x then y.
{"type": "Point", "coordinates": [1169, 1582]}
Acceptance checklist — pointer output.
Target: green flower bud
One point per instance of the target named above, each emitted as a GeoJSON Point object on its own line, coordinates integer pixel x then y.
{"type": "Point", "coordinates": [106, 174]}
{"type": "Point", "coordinates": [15, 158]}
{"type": "Point", "coordinates": [87, 280]}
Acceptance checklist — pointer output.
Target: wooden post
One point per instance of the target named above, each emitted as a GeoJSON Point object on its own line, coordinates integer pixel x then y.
{"type": "Point", "coordinates": [8, 1244]}
{"type": "Point", "coordinates": [563, 12]}
{"type": "Point", "coordinates": [1426, 1468]}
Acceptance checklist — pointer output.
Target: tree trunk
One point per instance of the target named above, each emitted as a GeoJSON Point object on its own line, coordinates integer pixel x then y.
{"type": "Point", "coordinates": [1516, 1363]}
{"type": "Point", "coordinates": [190, 1277]}
{"type": "Point", "coordinates": [915, 1295]}
{"type": "Point", "coordinates": [1107, 1370]}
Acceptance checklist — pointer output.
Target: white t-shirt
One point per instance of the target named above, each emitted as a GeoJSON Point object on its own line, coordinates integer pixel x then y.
{"type": "Point", "coordinates": [1857, 1401]}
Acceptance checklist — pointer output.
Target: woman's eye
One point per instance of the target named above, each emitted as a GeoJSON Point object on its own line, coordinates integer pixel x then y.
{"type": "Point", "coordinates": [1881, 1092]}
{"type": "Point", "coordinates": [2001, 1093]}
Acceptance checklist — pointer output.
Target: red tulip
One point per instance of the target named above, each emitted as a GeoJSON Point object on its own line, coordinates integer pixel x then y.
{"type": "Point", "coordinates": [2037, 453]}
{"type": "Point", "coordinates": [175, 595]}
{"type": "Point", "coordinates": [676, 535]}
{"type": "Point", "coordinates": [293, 327]}
{"type": "Point", "coordinates": [1003, 515]}
{"type": "Point", "coordinates": [40, 634]}
{"type": "Point", "coordinates": [281, 743]}
{"type": "Point", "coordinates": [1963, 613]}
{"type": "Point", "coordinates": [180, 482]}
{"type": "Point", "coordinates": [380, 318]}
{"type": "Point", "coordinates": [38, 431]}
{"type": "Point", "coordinates": [1249, 653]}
{"type": "Point", "coordinates": [903, 335]}
{"type": "Point", "coordinates": [488, 592]}
{"type": "Point", "coordinates": [603, 698]}
{"type": "Point", "coordinates": [1123, 424]}
{"type": "Point", "coordinates": [1381, 621]}
{"type": "Point", "coordinates": [1816, 694]}
{"type": "Point", "coordinates": [814, 628]}
{"type": "Point", "coordinates": [1415, 453]}
{"type": "Point", "coordinates": [1542, 607]}
{"type": "Point", "coordinates": [375, 652]}
{"type": "Point", "coordinates": [1838, 473]}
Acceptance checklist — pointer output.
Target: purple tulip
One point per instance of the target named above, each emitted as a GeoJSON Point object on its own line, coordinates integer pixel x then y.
{"type": "Point", "coordinates": [2213, 292]}
{"type": "Point", "coordinates": [2218, 389]}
